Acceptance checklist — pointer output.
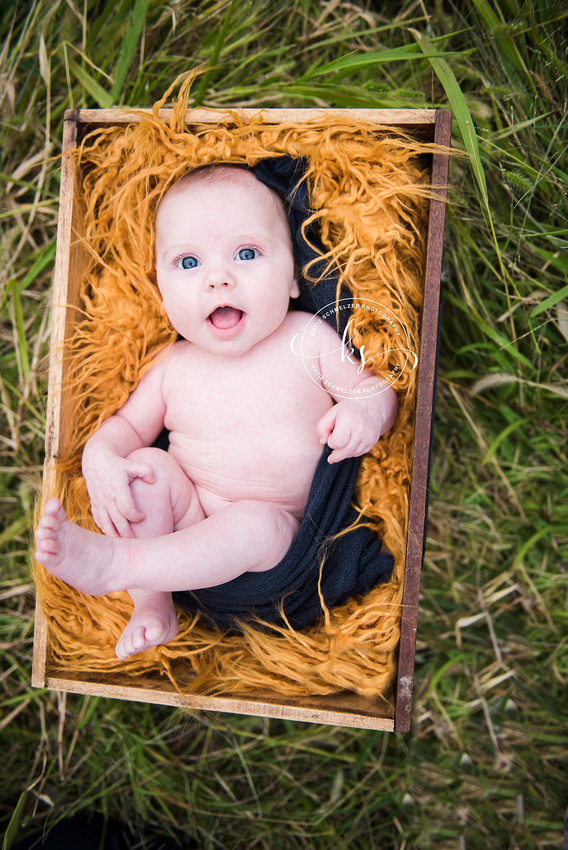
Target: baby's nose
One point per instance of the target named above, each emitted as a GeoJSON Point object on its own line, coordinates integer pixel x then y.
{"type": "Point", "coordinates": [219, 278]}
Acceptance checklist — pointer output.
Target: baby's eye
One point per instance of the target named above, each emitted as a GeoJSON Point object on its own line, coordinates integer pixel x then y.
{"type": "Point", "coordinates": [247, 254]}
{"type": "Point", "coordinates": [187, 263]}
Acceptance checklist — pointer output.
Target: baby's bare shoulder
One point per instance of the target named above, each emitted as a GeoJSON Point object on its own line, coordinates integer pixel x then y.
{"type": "Point", "coordinates": [181, 348]}
{"type": "Point", "coordinates": [167, 363]}
{"type": "Point", "coordinates": [179, 352]}
{"type": "Point", "coordinates": [311, 331]}
{"type": "Point", "coordinates": [298, 319]}
{"type": "Point", "coordinates": [297, 324]}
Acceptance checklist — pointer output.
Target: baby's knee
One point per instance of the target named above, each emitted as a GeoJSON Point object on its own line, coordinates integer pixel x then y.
{"type": "Point", "coordinates": [276, 527]}
{"type": "Point", "coordinates": [170, 486]}
{"type": "Point", "coordinates": [164, 473]}
{"type": "Point", "coordinates": [156, 458]}
{"type": "Point", "coordinates": [164, 467]}
{"type": "Point", "coordinates": [287, 526]}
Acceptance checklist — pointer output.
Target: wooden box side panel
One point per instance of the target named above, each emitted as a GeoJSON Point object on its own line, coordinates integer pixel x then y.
{"type": "Point", "coordinates": [352, 711]}
{"type": "Point", "coordinates": [407, 118]}
{"type": "Point", "coordinates": [424, 426]}
{"type": "Point", "coordinates": [419, 123]}
{"type": "Point", "coordinates": [70, 261]}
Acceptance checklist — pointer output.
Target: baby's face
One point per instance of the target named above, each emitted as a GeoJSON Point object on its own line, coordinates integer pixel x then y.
{"type": "Point", "coordinates": [224, 263]}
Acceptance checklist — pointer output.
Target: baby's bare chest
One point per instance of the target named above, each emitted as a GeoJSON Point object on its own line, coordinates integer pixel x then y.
{"type": "Point", "coordinates": [248, 430]}
{"type": "Point", "coordinates": [248, 395]}
{"type": "Point", "coordinates": [207, 403]}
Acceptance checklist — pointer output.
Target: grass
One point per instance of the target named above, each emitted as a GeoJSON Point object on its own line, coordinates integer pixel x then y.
{"type": "Point", "coordinates": [485, 763]}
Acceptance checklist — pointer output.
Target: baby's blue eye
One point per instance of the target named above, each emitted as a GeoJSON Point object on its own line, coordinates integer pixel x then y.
{"type": "Point", "coordinates": [188, 263]}
{"type": "Point", "coordinates": [247, 254]}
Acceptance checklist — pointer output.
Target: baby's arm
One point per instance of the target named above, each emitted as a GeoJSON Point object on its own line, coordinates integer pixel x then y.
{"type": "Point", "coordinates": [107, 468]}
{"type": "Point", "coordinates": [363, 412]}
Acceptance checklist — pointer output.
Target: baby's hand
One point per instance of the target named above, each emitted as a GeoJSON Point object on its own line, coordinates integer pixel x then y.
{"type": "Point", "coordinates": [350, 429]}
{"type": "Point", "coordinates": [108, 478]}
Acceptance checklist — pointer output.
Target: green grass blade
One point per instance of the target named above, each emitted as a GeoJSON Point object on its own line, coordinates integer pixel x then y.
{"type": "Point", "coordinates": [459, 107]}
{"type": "Point", "coordinates": [134, 28]}
{"type": "Point", "coordinates": [513, 65]}
{"type": "Point", "coordinates": [45, 258]}
{"type": "Point", "coordinates": [500, 437]}
{"type": "Point", "coordinates": [7, 178]}
{"type": "Point", "coordinates": [17, 528]}
{"type": "Point", "coordinates": [551, 301]}
{"type": "Point", "coordinates": [350, 97]}
{"type": "Point", "coordinates": [15, 821]}
{"type": "Point", "coordinates": [22, 342]}
{"type": "Point", "coordinates": [204, 82]}
{"type": "Point", "coordinates": [24, 208]}
{"type": "Point", "coordinates": [102, 98]}
{"type": "Point", "coordinates": [355, 63]}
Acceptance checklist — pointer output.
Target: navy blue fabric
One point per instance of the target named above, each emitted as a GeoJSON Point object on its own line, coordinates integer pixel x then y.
{"type": "Point", "coordinates": [353, 564]}
{"type": "Point", "coordinates": [284, 175]}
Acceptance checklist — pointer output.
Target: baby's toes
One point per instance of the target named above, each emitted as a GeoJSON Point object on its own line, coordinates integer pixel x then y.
{"type": "Point", "coordinates": [138, 638]}
{"type": "Point", "coordinates": [45, 548]}
{"type": "Point", "coordinates": [41, 533]}
{"type": "Point", "coordinates": [48, 525]}
{"type": "Point", "coordinates": [131, 642]}
{"type": "Point", "coordinates": [46, 541]}
{"type": "Point", "coordinates": [124, 647]}
{"type": "Point", "coordinates": [53, 508]}
{"type": "Point", "coordinates": [155, 630]}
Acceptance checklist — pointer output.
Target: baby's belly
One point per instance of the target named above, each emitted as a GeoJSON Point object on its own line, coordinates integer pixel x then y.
{"type": "Point", "coordinates": [222, 472]}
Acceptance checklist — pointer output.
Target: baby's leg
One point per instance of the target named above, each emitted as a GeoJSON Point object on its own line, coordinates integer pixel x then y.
{"type": "Point", "coordinates": [169, 503]}
{"type": "Point", "coordinates": [246, 536]}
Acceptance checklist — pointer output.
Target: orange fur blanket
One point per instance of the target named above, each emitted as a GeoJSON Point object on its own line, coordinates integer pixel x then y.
{"type": "Point", "coordinates": [369, 192]}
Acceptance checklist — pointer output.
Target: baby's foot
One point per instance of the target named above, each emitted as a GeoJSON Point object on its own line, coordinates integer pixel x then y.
{"type": "Point", "coordinates": [153, 623]}
{"type": "Point", "coordinates": [92, 563]}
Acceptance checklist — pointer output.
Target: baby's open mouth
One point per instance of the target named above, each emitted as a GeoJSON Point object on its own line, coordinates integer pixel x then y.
{"type": "Point", "coordinates": [225, 318]}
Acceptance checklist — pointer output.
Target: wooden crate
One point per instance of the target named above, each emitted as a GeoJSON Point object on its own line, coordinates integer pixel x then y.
{"type": "Point", "coordinates": [343, 709]}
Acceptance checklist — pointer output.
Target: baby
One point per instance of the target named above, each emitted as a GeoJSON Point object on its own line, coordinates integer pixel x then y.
{"type": "Point", "coordinates": [247, 423]}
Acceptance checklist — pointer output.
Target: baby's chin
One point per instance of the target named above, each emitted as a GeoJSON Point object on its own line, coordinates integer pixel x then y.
{"type": "Point", "coordinates": [224, 347]}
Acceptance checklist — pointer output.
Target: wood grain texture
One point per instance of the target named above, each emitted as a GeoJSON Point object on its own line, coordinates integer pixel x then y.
{"type": "Point", "coordinates": [272, 116]}
{"type": "Point", "coordinates": [69, 264]}
{"type": "Point", "coordinates": [321, 710]}
{"type": "Point", "coordinates": [424, 426]}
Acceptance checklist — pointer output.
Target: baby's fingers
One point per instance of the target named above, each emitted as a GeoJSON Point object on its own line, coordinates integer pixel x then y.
{"type": "Point", "coordinates": [104, 522]}
{"type": "Point", "coordinates": [126, 509]}
{"type": "Point", "coordinates": [342, 448]}
{"type": "Point", "coordinates": [121, 523]}
{"type": "Point", "coordinates": [136, 469]}
{"type": "Point", "coordinates": [341, 436]}
{"type": "Point", "coordinates": [114, 520]}
{"type": "Point", "coordinates": [348, 440]}
{"type": "Point", "coordinates": [326, 424]}
{"type": "Point", "coordinates": [340, 454]}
